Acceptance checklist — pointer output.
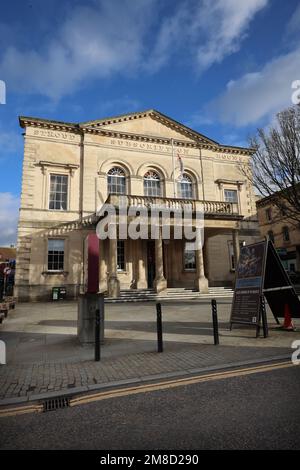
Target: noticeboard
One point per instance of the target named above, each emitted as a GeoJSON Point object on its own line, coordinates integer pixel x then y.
{"type": "Point", "coordinates": [260, 275]}
{"type": "Point", "coordinates": [249, 284]}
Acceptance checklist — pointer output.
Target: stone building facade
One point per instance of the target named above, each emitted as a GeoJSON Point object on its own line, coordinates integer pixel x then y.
{"type": "Point", "coordinates": [282, 230]}
{"type": "Point", "coordinates": [71, 170]}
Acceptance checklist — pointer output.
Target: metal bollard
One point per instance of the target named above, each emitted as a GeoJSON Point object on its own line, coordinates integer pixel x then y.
{"type": "Point", "coordinates": [215, 320]}
{"type": "Point", "coordinates": [264, 317]}
{"type": "Point", "coordinates": [97, 335]}
{"type": "Point", "coordinates": [159, 328]}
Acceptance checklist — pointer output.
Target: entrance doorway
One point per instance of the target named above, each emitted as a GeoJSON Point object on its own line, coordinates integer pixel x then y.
{"type": "Point", "coordinates": [150, 263]}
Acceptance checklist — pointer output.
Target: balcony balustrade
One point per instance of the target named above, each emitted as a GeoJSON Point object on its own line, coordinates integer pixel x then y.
{"type": "Point", "coordinates": [213, 208]}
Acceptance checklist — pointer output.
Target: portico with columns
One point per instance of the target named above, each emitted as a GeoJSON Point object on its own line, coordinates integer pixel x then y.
{"type": "Point", "coordinates": [168, 271]}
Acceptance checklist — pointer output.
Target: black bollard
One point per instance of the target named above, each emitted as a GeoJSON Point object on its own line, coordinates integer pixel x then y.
{"type": "Point", "coordinates": [215, 320]}
{"type": "Point", "coordinates": [159, 328]}
{"type": "Point", "coordinates": [97, 335]}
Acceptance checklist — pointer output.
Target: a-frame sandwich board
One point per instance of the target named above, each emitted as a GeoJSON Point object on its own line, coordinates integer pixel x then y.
{"type": "Point", "coordinates": [259, 276]}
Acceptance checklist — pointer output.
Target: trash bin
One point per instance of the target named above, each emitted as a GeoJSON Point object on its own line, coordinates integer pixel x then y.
{"type": "Point", "coordinates": [55, 293]}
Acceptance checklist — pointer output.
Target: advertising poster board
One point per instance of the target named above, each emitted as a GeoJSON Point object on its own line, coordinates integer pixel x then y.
{"type": "Point", "coordinates": [260, 275]}
{"type": "Point", "coordinates": [249, 284]}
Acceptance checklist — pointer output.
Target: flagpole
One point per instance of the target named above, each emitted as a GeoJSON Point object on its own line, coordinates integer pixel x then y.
{"type": "Point", "coordinates": [173, 161]}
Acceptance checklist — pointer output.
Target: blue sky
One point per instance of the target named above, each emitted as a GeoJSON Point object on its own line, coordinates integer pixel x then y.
{"type": "Point", "coordinates": [223, 67]}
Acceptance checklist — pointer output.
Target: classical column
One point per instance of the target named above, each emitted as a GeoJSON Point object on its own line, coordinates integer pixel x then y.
{"type": "Point", "coordinates": [201, 281]}
{"type": "Point", "coordinates": [206, 258]}
{"type": "Point", "coordinates": [141, 281]}
{"type": "Point", "coordinates": [113, 281]}
{"type": "Point", "coordinates": [236, 246]}
{"type": "Point", "coordinates": [160, 282]}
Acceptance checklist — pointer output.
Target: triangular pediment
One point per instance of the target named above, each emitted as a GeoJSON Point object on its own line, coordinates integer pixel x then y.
{"type": "Point", "coordinates": [149, 123]}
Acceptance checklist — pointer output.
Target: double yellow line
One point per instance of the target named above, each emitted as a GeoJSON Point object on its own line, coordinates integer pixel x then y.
{"type": "Point", "coordinates": [127, 391]}
{"type": "Point", "coordinates": [175, 383]}
{"type": "Point", "coordinates": [21, 410]}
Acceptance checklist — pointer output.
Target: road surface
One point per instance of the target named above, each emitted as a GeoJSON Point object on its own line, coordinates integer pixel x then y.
{"type": "Point", "coordinates": [256, 411]}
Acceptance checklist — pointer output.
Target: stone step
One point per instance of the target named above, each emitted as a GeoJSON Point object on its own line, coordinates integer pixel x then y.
{"type": "Point", "coordinates": [174, 291]}
{"type": "Point", "coordinates": [220, 288]}
{"type": "Point", "coordinates": [155, 299]}
{"type": "Point", "coordinates": [177, 293]}
{"type": "Point", "coordinates": [171, 291]}
{"type": "Point", "coordinates": [135, 291]}
{"type": "Point", "coordinates": [223, 289]}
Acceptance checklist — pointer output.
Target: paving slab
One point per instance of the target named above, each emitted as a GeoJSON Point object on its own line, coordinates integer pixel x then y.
{"type": "Point", "coordinates": [45, 358]}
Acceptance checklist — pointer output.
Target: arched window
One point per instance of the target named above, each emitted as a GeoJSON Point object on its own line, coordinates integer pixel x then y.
{"type": "Point", "coordinates": [152, 185]}
{"type": "Point", "coordinates": [185, 187]}
{"type": "Point", "coordinates": [116, 181]}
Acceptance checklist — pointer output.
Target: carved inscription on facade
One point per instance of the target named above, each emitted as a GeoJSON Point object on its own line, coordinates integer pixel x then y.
{"type": "Point", "coordinates": [54, 134]}
{"type": "Point", "coordinates": [231, 158]}
{"type": "Point", "coordinates": [148, 146]}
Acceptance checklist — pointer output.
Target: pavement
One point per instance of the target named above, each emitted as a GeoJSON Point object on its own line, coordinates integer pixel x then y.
{"type": "Point", "coordinates": [256, 411]}
{"type": "Point", "coordinates": [45, 358]}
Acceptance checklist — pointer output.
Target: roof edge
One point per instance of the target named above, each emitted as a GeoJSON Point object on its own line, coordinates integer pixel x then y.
{"type": "Point", "coordinates": [27, 120]}
{"type": "Point", "coordinates": [117, 116]}
{"type": "Point", "coordinates": [24, 119]}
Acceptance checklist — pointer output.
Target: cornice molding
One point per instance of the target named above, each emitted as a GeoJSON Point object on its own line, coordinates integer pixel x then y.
{"type": "Point", "coordinates": [166, 141]}
{"type": "Point", "coordinates": [66, 166]}
{"type": "Point", "coordinates": [47, 124]}
{"type": "Point", "coordinates": [221, 181]}
{"type": "Point", "coordinates": [140, 137]}
{"type": "Point", "coordinates": [198, 141]}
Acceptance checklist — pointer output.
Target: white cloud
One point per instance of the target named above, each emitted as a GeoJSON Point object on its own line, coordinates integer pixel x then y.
{"type": "Point", "coordinates": [258, 95]}
{"type": "Point", "coordinates": [226, 22]}
{"type": "Point", "coordinates": [208, 31]}
{"type": "Point", "coordinates": [171, 34]}
{"type": "Point", "coordinates": [293, 26]}
{"type": "Point", "coordinates": [92, 43]}
{"type": "Point", "coordinates": [127, 36]}
{"type": "Point", "coordinates": [9, 213]}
